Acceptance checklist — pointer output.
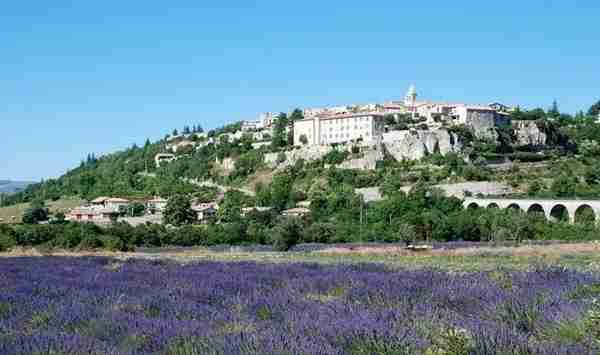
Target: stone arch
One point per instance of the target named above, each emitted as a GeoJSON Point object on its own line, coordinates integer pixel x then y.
{"type": "Point", "coordinates": [473, 206]}
{"type": "Point", "coordinates": [559, 213]}
{"type": "Point", "coordinates": [493, 205]}
{"type": "Point", "coordinates": [585, 214]}
{"type": "Point", "coordinates": [537, 210]}
{"type": "Point", "coordinates": [514, 206]}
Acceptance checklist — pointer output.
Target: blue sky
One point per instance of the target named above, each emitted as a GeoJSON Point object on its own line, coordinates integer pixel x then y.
{"type": "Point", "coordinates": [82, 76]}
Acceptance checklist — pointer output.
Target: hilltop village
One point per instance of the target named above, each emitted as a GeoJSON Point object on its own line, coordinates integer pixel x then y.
{"type": "Point", "coordinates": [304, 163]}
{"type": "Point", "coordinates": [410, 129]}
{"type": "Point", "coordinates": [406, 130]}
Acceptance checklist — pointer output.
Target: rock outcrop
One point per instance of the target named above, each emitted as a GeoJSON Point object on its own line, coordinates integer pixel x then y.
{"type": "Point", "coordinates": [367, 162]}
{"type": "Point", "coordinates": [528, 133]}
{"type": "Point", "coordinates": [417, 144]}
{"type": "Point", "coordinates": [309, 153]}
{"type": "Point", "coordinates": [484, 127]}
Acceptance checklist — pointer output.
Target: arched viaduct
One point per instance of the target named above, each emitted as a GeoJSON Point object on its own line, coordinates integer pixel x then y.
{"type": "Point", "coordinates": [553, 210]}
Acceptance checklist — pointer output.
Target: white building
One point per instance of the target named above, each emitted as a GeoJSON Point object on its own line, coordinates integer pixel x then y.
{"type": "Point", "coordinates": [469, 114]}
{"type": "Point", "coordinates": [157, 204]}
{"type": "Point", "coordinates": [323, 130]}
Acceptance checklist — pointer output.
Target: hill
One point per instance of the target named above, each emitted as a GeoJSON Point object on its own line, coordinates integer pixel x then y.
{"type": "Point", "coordinates": [542, 153]}
{"type": "Point", "coordinates": [9, 186]}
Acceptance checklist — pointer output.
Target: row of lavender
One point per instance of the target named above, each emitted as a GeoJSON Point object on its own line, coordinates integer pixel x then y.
{"type": "Point", "coordinates": [104, 306]}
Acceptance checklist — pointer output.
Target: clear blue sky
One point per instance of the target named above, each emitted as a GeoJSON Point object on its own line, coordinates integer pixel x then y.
{"type": "Point", "coordinates": [97, 76]}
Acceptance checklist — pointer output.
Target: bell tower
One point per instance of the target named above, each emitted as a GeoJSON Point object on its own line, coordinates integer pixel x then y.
{"type": "Point", "coordinates": [410, 100]}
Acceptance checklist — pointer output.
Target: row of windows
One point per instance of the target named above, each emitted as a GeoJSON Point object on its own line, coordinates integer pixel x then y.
{"type": "Point", "coordinates": [331, 136]}
{"type": "Point", "coordinates": [346, 120]}
{"type": "Point", "coordinates": [348, 127]}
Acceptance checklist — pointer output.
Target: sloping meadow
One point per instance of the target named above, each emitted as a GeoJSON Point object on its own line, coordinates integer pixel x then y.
{"type": "Point", "coordinates": [53, 305]}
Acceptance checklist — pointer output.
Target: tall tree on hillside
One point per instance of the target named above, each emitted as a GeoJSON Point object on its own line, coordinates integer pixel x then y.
{"type": "Point", "coordinates": [175, 132]}
{"type": "Point", "coordinates": [186, 130]}
{"type": "Point", "coordinates": [594, 109]}
{"type": "Point", "coordinates": [280, 138]}
{"type": "Point", "coordinates": [553, 112]}
{"type": "Point", "coordinates": [296, 115]}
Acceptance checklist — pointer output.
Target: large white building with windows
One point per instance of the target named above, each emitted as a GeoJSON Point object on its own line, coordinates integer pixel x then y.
{"type": "Point", "coordinates": [365, 128]}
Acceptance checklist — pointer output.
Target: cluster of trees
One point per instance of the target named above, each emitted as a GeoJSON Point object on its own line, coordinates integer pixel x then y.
{"type": "Point", "coordinates": [337, 216]}
{"type": "Point", "coordinates": [187, 130]}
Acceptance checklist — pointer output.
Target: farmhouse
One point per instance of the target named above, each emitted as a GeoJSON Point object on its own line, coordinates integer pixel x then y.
{"type": "Point", "coordinates": [90, 214]}
{"type": "Point", "coordinates": [206, 211]}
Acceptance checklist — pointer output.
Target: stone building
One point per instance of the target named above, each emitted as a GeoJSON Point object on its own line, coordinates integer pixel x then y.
{"type": "Point", "coordinates": [336, 129]}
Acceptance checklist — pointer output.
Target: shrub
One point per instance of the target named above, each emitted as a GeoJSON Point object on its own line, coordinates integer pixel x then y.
{"type": "Point", "coordinates": [335, 157]}
{"type": "Point", "coordinates": [319, 233]}
{"type": "Point", "coordinates": [7, 242]}
{"type": "Point", "coordinates": [113, 243]}
{"type": "Point", "coordinates": [90, 242]}
{"type": "Point", "coordinates": [287, 234]}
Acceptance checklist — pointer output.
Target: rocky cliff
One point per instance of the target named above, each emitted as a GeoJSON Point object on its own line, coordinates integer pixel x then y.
{"type": "Point", "coordinates": [529, 133]}
{"type": "Point", "coordinates": [417, 144]}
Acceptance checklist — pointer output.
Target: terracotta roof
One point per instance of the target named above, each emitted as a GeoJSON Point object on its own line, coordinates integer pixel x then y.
{"type": "Point", "coordinates": [116, 199]}
{"type": "Point", "coordinates": [101, 199]}
{"type": "Point", "coordinates": [92, 211]}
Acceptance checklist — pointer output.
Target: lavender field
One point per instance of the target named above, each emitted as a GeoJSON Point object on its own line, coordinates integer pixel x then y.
{"type": "Point", "coordinates": [53, 305]}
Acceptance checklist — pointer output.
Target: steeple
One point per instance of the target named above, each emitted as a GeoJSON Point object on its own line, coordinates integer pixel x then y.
{"type": "Point", "coordinates": [410, 99]}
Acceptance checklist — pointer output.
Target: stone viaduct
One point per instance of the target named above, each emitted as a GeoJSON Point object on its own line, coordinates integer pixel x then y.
{"type": "Point", "coordinates": [554, 210]}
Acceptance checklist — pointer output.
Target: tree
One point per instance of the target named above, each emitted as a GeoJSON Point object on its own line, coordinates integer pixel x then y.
{"type": "Point", "coordinates": [564, 186]}
{"type": "Point", "coordinates": [280, 190]}
{"type": "Point", "coordinates": [406, 233]}
{"type": "Point", "coordinates": [186, 130]}
{"type": "Point", "coordinates": [37, 212]}
{"type": "Point", "coordinates": [296, 115]}
{"type": "Point", "coordinates": [594, 109]}
{"type": "Point", "coordinates": [175, 133]}
{"type": "Point", "coordinates": [231, 207]}
{"type": "Point", "coordinates": [281, 124]}
{"type": "Point", "coordinates": [179, 211]}
{"type": "Point", "coordinates": [592, 174]}
{"type": "Point", "coordinates": [287, 234]}
{"type": "Point", "coordinates": [304, 139]}
{"type": "Point", "coordinates": [553, 112]}
{"type": "Point", "coordinates": [535, 187]}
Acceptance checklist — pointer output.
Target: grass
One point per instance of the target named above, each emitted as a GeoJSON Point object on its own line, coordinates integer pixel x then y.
{"type": "Point", "coordinates": [62, 205]}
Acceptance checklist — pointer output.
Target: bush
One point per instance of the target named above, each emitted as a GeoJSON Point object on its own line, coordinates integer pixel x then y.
{"type": "Point", "coordinates": [335, 157]}
{"type": "Point", "coordinates": [90, 242]}
{"type": "Point", "coordinates": [185, 236]}
{"type": "Point", "coordinates": [7, 242]}
{"type": "Point", "coordinates": [113, 243]}
{"type": "Point", "coordinates": [319, 233]}
{"type": "Point", "coordinates": [287, 234]}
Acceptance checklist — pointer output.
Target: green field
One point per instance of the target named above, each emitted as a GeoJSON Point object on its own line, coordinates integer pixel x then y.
{"type": "Point", "coordinates": [62, 205]}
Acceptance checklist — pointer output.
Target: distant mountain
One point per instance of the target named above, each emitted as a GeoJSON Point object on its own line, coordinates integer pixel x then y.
{"type": "Point", "coordinates": [9, 186]}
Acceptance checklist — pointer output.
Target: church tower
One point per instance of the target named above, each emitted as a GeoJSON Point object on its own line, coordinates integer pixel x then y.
{"type": "Point", "coordinates": [410, 100]}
